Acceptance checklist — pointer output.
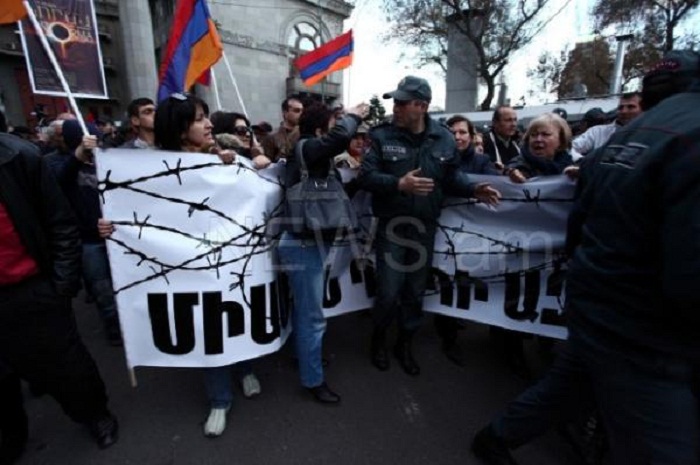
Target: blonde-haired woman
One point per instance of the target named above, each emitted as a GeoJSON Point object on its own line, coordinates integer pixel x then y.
{"type": "Point", "coordinates": [546, 150]}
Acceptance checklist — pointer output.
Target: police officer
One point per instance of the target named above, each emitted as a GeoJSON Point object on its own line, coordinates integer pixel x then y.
{"type": "Point", "coordinates": [411, 165]}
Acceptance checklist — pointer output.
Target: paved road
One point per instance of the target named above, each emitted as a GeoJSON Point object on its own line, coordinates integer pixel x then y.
{"type": "Point", "coordinates": [385, 418]}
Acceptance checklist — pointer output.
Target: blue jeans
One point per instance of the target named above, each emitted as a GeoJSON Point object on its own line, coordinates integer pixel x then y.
{"type": "Point", "coordinates": [404, 251]}
{"type": "Point", "coordinates": [302, 261]}
{"type": "Point", "coordinates": [98, 279]}
{"type": "Point", "coordinates": [219, 384]}
{"type": "Point", "coordinates": [645, 399]}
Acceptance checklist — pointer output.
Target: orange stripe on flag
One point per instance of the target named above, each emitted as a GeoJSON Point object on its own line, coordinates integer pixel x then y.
{"type": "Point", "coordinates": [341, 63]}
{"type": "Point", "coordinates": [12, 11]}
{"type": "Point", "coordinates": [204, 55]}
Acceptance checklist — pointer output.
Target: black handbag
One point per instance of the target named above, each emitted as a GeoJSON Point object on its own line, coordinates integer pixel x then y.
{"type": "Point", "coordinates": [318, 204]}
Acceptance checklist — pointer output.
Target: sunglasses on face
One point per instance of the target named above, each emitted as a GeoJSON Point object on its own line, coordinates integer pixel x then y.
{"type": "Point", "coordinates": [241, 130]}
{"type": "Point", "coordinates": [295, 110]}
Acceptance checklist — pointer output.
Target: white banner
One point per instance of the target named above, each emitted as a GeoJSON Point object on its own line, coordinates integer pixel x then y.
{"type": "Point", "coordinates": [505, 266]}
{"type": "Point", "coordinates": [193, 263]}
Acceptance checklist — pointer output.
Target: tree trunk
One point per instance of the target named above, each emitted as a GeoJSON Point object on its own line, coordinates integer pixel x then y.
{"type": "Point", "coordinates": [490, 82]}
{"type": "Point", "coordinates": [668, 46]}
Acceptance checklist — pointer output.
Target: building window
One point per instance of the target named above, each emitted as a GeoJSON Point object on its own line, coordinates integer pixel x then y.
{"type": "Point", "coordinates": [304, 38]}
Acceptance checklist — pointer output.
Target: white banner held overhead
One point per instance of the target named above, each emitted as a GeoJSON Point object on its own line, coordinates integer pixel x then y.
{"type": "Point", "coordinates": [195, 276]}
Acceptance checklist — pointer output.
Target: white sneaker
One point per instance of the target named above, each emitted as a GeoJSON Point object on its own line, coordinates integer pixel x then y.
{"type": "Point", "coordinates": [251, 385]}
{"type": "Point", "coordinates": [216, 422]}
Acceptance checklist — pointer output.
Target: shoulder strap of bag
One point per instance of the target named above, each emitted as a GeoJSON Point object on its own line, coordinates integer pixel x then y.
{"type": "Point", "coordinates": [299, 153]}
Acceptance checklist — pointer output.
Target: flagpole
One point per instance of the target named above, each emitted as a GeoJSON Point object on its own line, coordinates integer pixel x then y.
{"type": "Point", "coordinates": [216, 89]}
{"type": "Point", "coordinates": [235, 84]}
{"type": "Point", "coordinates": [56, 66]}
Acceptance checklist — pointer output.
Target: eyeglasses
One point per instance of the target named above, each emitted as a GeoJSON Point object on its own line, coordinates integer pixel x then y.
{"type": "Point", "coordinates": [241, 130]}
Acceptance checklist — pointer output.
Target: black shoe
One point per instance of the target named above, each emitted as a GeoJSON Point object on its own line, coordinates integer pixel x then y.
{"type": "Point", "coordinates": [453, 352]}
{"type": "Point", "coordinates": [404, 354]}
{"type": "Point", "coordinates": [10, 453]}
{"type": "Point", "coordinates": [323, 394]}
{"type": "Point", "coordinates": [379, 354]}
{"type": "Point", "coordinates": [13, 419]}
{"type": "Point", "coordinates": [587, 439]}
{"type": "Point", "coordinates": [14, 439]}
{"type": "Point", "coordinates": [105, 431]}
{"type": "Point", "coordinates": [491, 449]}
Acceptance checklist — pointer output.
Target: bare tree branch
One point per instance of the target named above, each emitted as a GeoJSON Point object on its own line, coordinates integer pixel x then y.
{"type": "Point", "coordinates": [504, 27]}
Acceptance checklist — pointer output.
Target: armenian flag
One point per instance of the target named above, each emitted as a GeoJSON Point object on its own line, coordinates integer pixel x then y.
{"type": "Point", "coordinates": [329, 57]}
{"type": "Point", "coordinates": [12, 11]}
{"type": "Point", "coordinates": [194, 47]}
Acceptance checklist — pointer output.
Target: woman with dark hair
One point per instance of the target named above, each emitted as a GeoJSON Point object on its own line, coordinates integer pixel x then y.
{"type": "Point", "coordinates": [302, 255]}
{"type": "Point", "coordinates": [182, 125]}
{"type": "Point", "coordinates": [233, 131]}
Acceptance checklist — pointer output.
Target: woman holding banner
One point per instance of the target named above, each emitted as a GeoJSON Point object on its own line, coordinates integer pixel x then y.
{"type": "Point", "coordinates": [545, 151]}
{"type": "Point", "coordinates": [182, 125]}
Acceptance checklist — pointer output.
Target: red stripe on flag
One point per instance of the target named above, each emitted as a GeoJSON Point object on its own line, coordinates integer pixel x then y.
{"type": "Point", "coordinates": [324, 50]}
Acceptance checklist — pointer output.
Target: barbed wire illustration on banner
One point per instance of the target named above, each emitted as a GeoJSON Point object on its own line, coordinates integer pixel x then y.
{"type": "Point", "coordinates": [212, 254]}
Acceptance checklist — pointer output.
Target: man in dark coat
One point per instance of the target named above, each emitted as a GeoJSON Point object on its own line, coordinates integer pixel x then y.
{"type": "Point", "coordinates": [39, 274]}
{"type": "Point", "coordinates": [632, 289]}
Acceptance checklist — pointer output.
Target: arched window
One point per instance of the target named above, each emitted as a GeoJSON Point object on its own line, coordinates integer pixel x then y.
{"type": "Point", "coordinates": [303, 38]}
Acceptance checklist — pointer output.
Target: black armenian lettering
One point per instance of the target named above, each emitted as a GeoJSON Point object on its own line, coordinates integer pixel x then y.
{"type": "Point", "coordinates": [214, 310]}
{"type": "Point", "coordinates": [364, 271]}
{"type": "Point", "coordinates": [183, 309]}
{"type": "Point", "coordinates": [266, 320]}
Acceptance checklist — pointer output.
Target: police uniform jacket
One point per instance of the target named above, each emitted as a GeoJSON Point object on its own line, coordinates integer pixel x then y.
{"type": "Point", "coordinates": [394, 152]}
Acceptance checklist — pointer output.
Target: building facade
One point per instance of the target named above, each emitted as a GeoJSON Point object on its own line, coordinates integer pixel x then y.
{"type": "Point", "coordinates": [261, 39]}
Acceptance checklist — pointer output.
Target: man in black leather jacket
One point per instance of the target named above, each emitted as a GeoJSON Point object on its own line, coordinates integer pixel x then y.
{"type": "Point", "coordinates": [39, 273]}
{"type": "Point", "coordinates": [410, 167]}
{"type": "Point", "coordinates": [632, 289]}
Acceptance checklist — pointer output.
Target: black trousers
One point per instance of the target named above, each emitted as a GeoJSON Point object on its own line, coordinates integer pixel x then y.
{"type": "Point", "coordinates": [39, 340]}
{"type": "Point", "coordinates": [404, 254]}
{"type": "Point", "coordinates": [13, 418]}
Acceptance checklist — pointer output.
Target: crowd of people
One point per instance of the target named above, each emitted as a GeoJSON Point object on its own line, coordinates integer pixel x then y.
{"type": "Point", "coordinates": [632, 357]}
